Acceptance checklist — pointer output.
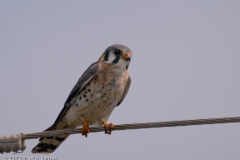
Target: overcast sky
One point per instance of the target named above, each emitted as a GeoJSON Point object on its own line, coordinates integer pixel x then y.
{"type": "Point", "coordinates": [185, 66]}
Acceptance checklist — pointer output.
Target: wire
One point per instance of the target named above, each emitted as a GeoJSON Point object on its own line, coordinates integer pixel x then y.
{"type": "Point", "coordinates": [133, 126]}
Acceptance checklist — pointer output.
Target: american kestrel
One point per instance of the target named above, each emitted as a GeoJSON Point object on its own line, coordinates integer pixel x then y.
{"type": "Point", "coordinates": [101, 88]}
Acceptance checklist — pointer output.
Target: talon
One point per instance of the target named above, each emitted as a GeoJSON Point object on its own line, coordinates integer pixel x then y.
{"type": "Point", "coordinates": [109, 126]}
{"type": "Point", "coordinates": [85, 129]}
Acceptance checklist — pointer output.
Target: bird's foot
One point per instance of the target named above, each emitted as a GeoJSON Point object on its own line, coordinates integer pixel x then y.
{"type": "Point", "coordinates": [85, 129]}
{"type": "Point", "coordinates": [109, 126]}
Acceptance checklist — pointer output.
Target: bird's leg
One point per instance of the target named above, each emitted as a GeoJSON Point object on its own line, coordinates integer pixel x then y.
{"type": "Point", "coordinates": [85, 128]}
{"type": "Point", "coordinates": [109, 126]}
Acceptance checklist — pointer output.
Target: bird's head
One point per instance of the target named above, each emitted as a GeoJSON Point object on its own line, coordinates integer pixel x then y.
{"type": "Point", "coordinates": [117, 55]}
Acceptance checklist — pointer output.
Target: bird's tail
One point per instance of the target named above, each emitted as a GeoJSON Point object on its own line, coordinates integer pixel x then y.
{"type": "Point", "coordinates": [49, 144]}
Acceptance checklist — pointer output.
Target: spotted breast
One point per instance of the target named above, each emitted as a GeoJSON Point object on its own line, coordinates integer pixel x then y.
{"type": "Point", "coordinates": [99, 97]}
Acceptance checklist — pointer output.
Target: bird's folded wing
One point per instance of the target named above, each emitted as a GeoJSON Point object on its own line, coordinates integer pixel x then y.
{"type": "Point", "coordinates": [83, 80]}
{"type": "Point", "coordinates": [125, 90]}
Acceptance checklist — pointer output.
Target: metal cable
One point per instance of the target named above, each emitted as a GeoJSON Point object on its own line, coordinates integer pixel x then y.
{"type": "Point", "coordinates": [134, 126]}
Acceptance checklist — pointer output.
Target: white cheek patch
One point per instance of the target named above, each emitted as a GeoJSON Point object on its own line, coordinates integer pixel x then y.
{"type": "Point", "coordinates": [121, 63]}
{"type": "Point", "coordinates": [111, 57]}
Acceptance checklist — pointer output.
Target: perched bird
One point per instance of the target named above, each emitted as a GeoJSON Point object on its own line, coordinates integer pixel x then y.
{"type": "Point", "coordinates": [101, 88]}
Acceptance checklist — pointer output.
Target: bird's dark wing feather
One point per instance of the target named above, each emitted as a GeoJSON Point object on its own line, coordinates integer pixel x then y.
{"type": "Point", "coordinates": [125, 90]}
{"type": "Point", "coordinates": [83, 80]}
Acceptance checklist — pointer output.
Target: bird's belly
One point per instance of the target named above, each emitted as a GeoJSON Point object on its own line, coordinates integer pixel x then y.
{"type": "Point", "coordinates": [94, 104]}
{"type": "Point", "coordinates": [100, 108]}
{"type": "Point", "coordinates": [96, 113]}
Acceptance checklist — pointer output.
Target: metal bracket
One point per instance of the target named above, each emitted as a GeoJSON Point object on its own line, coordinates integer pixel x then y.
{"type": "Point", "coordinates": [12, 143]}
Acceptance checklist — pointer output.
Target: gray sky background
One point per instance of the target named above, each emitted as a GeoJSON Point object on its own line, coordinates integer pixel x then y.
{"type": "Point", "coordinates": [185, 66]}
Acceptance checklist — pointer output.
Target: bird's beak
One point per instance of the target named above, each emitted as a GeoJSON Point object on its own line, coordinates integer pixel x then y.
{"type": "Point", "coordinates": [127, 56]}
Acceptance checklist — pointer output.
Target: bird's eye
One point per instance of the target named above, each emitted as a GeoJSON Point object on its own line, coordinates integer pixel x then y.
{"type": "Point", "coordinates": [117, 52]}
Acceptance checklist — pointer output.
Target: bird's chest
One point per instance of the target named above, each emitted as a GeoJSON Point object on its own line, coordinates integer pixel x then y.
{"type": "Point", "coordinates": [110, 86]}
{"type": "Point", "coordinates": [100, 96]}
{"type": "Point", "coordinates": [107, 91]}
